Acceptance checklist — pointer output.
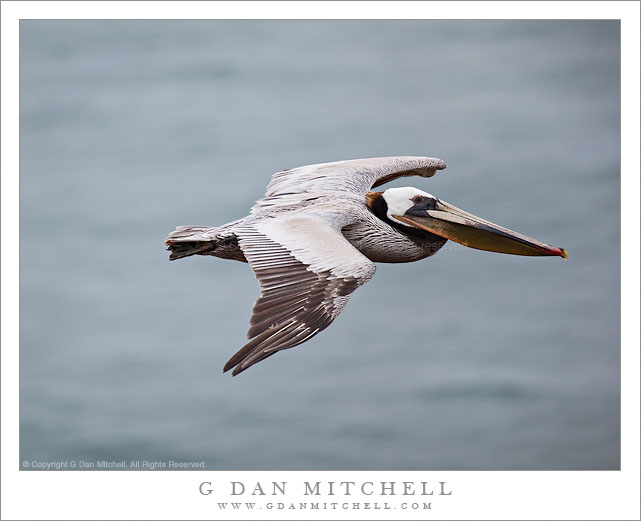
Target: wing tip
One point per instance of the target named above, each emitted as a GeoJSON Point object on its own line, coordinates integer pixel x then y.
{"type": "Point", "coordinates": [233, 363]}
{"type": "Point", "coordinates": [433, 164]}
{"type": "Point", "coordinates": [237, 369]}
{"type": "Point", "coordinates": [239, 366]}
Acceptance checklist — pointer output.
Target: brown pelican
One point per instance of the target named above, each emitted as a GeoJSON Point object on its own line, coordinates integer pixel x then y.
{"type": "Point", "coordinates": [315, 236]}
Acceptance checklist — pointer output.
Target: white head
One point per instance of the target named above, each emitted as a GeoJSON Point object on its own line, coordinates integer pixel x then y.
{"type": "Point", "coordinates": [401, 199]}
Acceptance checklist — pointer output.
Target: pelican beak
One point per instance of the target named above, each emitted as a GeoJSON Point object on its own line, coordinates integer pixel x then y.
{"type": "Point", "coordinates": [450, 222]}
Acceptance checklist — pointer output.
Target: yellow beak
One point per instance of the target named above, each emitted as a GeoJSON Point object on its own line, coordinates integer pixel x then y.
{"type": "Point", "coordinates": [450, 222]}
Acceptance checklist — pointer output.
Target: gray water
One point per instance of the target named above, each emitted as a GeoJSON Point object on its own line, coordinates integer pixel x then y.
{"type": "Point", "coordinates": [467, 360]}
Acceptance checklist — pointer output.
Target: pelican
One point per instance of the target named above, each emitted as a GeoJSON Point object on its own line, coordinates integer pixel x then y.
{"type": "Point", "coordinates": [316, 234]}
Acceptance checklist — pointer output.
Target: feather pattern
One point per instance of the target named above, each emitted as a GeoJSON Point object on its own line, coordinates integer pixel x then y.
{"type": "Point", "coordinates": [357, 176]}
{"type": "Point", "coordinates": [303, 287]}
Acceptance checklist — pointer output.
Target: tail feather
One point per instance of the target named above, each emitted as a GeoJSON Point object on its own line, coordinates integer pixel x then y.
{"type": "Point", "coordinates": [185, 241]}
{"type": "Point", "coordinates": [186, 249]}
{"type": "Point", "coordinates": [203, 240]}
{"type": "Point", "coordinates": [192, 233]}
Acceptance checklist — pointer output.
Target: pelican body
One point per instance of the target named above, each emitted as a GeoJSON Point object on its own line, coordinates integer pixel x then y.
{"type": "Point", "coordinates": [314, 237]}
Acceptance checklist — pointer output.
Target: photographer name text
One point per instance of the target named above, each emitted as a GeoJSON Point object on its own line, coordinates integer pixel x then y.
{"type": "Point", "coordinates": [331, 488]}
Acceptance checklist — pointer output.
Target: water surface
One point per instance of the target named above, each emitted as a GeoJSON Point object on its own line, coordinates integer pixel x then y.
{"type": "Point", "coordinates": [467, 360]}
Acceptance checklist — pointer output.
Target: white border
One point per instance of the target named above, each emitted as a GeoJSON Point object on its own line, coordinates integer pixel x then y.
{"type": "Point", "coordinates": [174, 495]}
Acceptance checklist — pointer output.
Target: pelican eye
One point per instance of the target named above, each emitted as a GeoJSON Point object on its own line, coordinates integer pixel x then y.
{"type": "Point", "coordinates": [418, 199]}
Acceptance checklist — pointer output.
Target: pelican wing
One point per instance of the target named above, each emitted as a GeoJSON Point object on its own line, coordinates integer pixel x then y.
{"type": "Point", "coordinates": [357, 175]}
{"type": "Point", "coordinates": [307, 271]}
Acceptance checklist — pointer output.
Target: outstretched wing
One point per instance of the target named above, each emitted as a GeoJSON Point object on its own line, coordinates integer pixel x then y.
{"type": "Point", "coordinates": [307, 271]}
{"type": "Point", "coordinates": [357, 175]}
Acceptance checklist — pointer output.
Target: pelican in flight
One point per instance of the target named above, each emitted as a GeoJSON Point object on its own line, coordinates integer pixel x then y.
{"type": "Point", "coordinates": [316, 234]}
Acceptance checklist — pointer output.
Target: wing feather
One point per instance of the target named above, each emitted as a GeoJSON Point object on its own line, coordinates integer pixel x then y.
{"type": "Point", "coordinates": [304, 285]}
{"type": "Point", "coordinates": [356, 175]}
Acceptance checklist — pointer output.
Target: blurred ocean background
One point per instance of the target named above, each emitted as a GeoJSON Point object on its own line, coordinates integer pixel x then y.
{"type": "Point", "coordinates": [467, 360]}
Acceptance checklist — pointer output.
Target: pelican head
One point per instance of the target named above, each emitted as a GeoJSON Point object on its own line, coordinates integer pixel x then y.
{"type": "Point", "coordinates": [409, 209]}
